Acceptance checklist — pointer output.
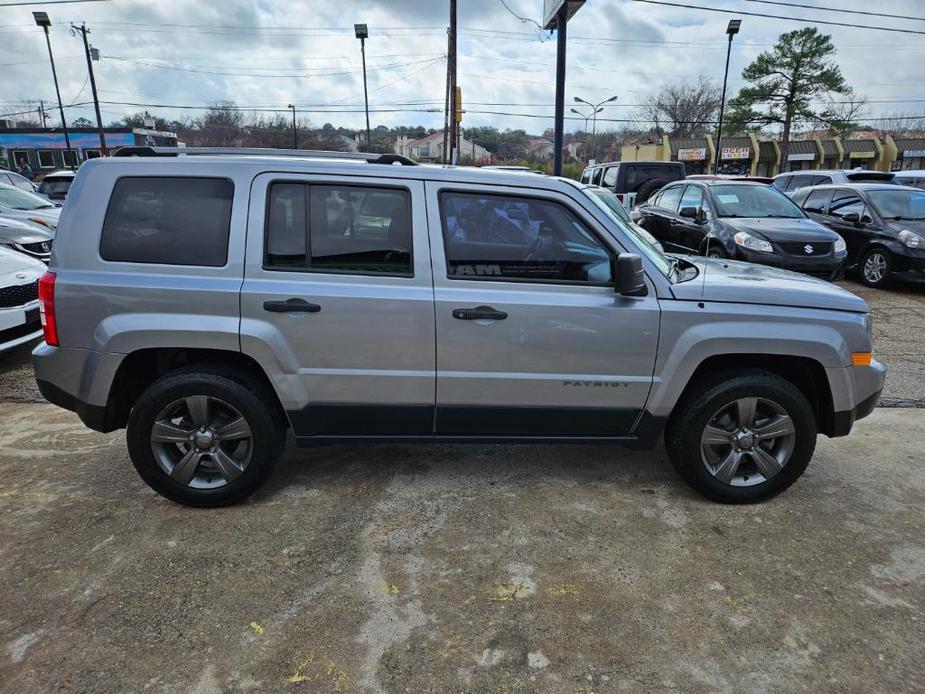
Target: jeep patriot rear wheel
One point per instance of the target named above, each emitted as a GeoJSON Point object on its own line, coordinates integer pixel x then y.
{"type": "Point", "coordinates": [741, 436]}
{"type": "Point", "coordinates": [204, 439]}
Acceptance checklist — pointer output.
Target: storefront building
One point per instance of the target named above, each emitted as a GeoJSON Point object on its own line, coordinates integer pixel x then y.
{"type": "Point", "coordinates": [803, 154]}
{"type": "Point", "coordinates": [696, 153]}
{"type": "Point", "coordinates": [735, 156]}
{"type": "Point", "coordinates": [768, 159]}
{"type": "Point", "coordinates": [910, 154]}
{"type": "Point", "coordinates": [861, 154]}
{"type": "Point", "coordinates": [45, 150]}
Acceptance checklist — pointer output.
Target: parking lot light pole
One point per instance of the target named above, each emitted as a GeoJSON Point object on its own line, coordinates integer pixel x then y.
{"type": "Point", "coordinates": [595, 109]}
{"type": "Point", "coordinates": [731, 31]}
{"type": "Point", "coordinates": [42, 20]}
{"type": "Point", "coordinates": [295, 135]}
{"type": "Point", "coordinates": [362, 33]}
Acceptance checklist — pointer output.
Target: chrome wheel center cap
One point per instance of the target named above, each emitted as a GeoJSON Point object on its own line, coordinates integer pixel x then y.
{"type": "Point", "coordinates": [204, 440]}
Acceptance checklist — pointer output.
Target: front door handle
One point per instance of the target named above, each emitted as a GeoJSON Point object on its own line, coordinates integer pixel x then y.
{"type": "Point", "coordinates": [291, 306]}
{"type": "Point", "coordinates": [478, 313]}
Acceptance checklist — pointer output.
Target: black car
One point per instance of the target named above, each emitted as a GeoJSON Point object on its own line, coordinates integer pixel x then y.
{"type": "Point", "coordinates": [633, 182]}
{"type": "Point", "coordinates": [883, 226]}
{"type": "Point", "coordinates": [743, 221]}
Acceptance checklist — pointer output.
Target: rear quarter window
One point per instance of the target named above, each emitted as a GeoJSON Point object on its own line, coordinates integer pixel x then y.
{"type": "Point", "coordinates": [168, 220]}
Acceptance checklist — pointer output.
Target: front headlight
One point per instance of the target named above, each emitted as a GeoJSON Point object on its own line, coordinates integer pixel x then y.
{"type": "Point", "coordinates": [746, 240]}
{"type": "Point", "coordinates": [910, 239]}
{"type": "Point", "coordinates": [840, 246]}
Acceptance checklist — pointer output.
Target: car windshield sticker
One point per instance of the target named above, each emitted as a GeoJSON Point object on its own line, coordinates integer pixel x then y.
{"type": "Point", "coordinates": [728, 198]}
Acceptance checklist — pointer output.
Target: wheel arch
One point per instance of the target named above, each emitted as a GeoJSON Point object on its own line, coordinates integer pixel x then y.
{"type": "Point", "coordinates": [806, 374]}
{"type": "Point", "coordinates": [141, 368]}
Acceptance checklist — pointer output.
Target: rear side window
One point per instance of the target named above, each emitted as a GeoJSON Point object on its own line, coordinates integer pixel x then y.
{"type": "Point", "coordinates": [822, 180]}
{"type": "Point", "coordinates": [339, 229]}
{"type": "Point", "coordinates": [669, 198]}
{"type": "Point", "coordinates": [799, 181]}
{"type": "Point", "coordinates": [586, 176]}
{"type": "Point", "coordinates": [610, 176]}
{"type": "Point", "coordinates": [168, 220]}
{"type": "Point", "coordinates": [637, 174]}
{"type": "Point", "coordinates": [781, 182]}
{"type": "Point", "coordinates": [504, 237]}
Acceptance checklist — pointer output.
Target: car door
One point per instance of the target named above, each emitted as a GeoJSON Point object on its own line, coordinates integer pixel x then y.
{"type": "Point", "coordinates": [856, 234]}
{"type": "Point", "coordinates": [660, 216]}
{"type": "Point", "coordinates": [689, 233]}
{"type": "Point", "coordinates": [532, 340]}
{"type": "Point", "coordinates": [337, 302]}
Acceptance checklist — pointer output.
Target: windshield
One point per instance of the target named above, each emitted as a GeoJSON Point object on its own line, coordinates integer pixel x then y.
{"type": "Point", "coordinates": [608, 202]}
{"type": "Point", "coordinates": [899, 203]}
{"type": "Point", "coordinates": [21, 200]}
{"type": "Point", "coordinates": [756, 200]}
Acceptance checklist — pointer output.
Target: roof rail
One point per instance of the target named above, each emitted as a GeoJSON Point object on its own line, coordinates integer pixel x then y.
{"type": "Point", "coordinates": [368, 157]}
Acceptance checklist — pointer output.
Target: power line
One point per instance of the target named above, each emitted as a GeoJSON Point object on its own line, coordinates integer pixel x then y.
{"type": "Point", "coordinates": [778, 16]}
{"type": "Point", "coordinates": [836, 9]}
{"type": "Point", "coordinates": [525, 20]}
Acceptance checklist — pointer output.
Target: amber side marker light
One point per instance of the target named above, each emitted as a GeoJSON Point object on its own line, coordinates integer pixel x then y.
{"type": "Point", "coordinates": [861, 358]}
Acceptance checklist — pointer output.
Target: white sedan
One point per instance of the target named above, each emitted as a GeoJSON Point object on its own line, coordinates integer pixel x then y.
{"type": "Point", "coordinates": [19, 300]}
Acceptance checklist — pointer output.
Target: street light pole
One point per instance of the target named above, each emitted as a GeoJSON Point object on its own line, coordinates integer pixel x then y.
{"type": "Point", "coordinates": [731, 30]}
{"type": "Point", "coordinates": [595, 109]}
{"type": "Point", "coordinates": [362, 33]}
{"type": "Point", "coordinates": [295, 135]}
{"type": "Point", "coordinates": [42, 20]}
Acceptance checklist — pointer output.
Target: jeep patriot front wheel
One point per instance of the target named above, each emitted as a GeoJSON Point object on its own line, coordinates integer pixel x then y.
{"type": "Point", "coordinates": [741, 436]}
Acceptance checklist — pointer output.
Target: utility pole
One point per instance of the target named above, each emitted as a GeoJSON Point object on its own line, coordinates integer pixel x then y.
{"type": "Point", "coordinates": [451, 57]}
{"type": "Point", "coordinates": [731, 30]}
{"type": "Point", "coordinates": [446, 103]}
{"type": "Point", "coordinates": [362, 33]}
{"type": "Point", "coordinates": [96, 101]}
{"type": "Point", "coordinates": [558, 138]}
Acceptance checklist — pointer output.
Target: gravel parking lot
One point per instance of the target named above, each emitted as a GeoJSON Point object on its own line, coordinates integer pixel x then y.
{"type": "Point", "coordinates": [438, 568]}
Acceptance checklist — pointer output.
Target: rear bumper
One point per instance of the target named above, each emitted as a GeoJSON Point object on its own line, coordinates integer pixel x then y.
{"type": "Point", "coordinates": [78, 380]}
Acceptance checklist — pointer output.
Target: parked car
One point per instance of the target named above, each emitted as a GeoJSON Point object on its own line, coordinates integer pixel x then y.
{"type": "Point", "coordinates": [28, 207]}
{"type": "Point", "coordinates": [883, 227]}
{"type": "Point", "coordinates": [31, 239]}
{"type": "Point", "coordinates": [913, 178]}
{"type": "Point", "coordinates": [633, 182]}
{"type": "Point", "coordinates": [793, 181]}
{"type": "Point", "coordinates": [730, 177]}
{"type": "Point", "coordinates": [19, 304]}
{"type": "Point", "coordinates": [745, 221]}
{"type": "Point", "coordinates": [11, 178]}
{"type": "Point", "coordinates": [363, 301]}
{"type": "Point", "coordinates": [56, 184]}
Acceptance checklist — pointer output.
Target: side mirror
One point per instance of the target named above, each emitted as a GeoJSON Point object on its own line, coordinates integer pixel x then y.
{"type": "Point", "coordinates": [694, 213]}
{"type": "Point", "coordinates": [629, 277]}
{"type": "Point", "coordinates": [852, 217]}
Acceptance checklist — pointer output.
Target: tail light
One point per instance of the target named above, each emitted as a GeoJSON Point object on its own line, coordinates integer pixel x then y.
{"type": "Point", "coordinates": [47, 308]}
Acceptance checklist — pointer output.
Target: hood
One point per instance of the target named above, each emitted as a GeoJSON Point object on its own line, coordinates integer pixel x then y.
{"type": "Point", "coordinates": [776, 229]}
{"type": "Point", "coordinates": [916, 225]}
{"type": "Point", "coordinates": [13, 264]}
{"type": "Point", "coordinates": [748, 283]}
{"type": "Point", "coordinates": [16, 231]}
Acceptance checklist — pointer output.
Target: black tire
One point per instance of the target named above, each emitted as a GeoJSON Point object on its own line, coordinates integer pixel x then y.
{"type": "Point", "coordinates": [714, 249]}
{"type": "Point", "coordinates": [708, 395]}
{"type": "Point", "coordinates": [648, 188]}
{"type": "Point", "coordinates": [252, 401]}
{"type": "Point", "coordinates": [882, 258]}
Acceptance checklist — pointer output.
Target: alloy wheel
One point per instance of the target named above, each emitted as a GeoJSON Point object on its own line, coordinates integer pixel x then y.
{"type": "Point", "coordinates": [201, 442]}
{"type": "Point", "coordinates": [747, 441]}
{"type": "Point", "coordinates": [875, 267]}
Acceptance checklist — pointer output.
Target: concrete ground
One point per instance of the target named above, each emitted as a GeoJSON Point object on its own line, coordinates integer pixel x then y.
{"type": "Point", "coordinates": [460, 568]}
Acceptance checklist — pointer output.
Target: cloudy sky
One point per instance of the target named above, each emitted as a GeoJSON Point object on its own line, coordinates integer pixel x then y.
{"type": "Point", "coordinates": [265, 54]}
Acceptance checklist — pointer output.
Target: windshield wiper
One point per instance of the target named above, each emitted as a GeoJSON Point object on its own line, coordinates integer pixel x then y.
{"type": "Point", "coordinates": [900, 218]}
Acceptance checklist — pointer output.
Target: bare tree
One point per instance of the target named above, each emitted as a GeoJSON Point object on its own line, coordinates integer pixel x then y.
{"type": "Point", "coordinates": [899, 124]}
{"type": "Point", "coordinates": [683, 109]}
{"type": "Point", "coordinates": [221, 126]}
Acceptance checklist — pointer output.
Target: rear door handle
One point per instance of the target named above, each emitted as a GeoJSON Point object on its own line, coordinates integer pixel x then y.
{"type": "Point", "coordinates": [291, 306]}
{"type": "Point", "coordinates": [478, 313]}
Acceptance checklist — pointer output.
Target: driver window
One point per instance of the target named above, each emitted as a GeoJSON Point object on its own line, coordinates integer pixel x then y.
{"type": "Point", "coordinates": [693, 197]}
{"type": "Point", "coordinates": [517, 238]}
{"type": "Point", "coordinates": [845, 203]}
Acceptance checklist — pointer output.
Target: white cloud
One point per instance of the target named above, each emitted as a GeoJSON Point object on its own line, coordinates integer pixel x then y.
{"type": "Point", "coordinates": [271, 53]}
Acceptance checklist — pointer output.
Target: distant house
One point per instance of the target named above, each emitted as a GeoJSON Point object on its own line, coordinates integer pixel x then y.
{"type": "Point", "coordinates": [540, 148]}
{"type": "Point", "coordinates": [430, 148]}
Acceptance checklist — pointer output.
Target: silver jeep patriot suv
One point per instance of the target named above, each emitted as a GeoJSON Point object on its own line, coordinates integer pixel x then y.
{"type": "Point", "coordinates": [210, 300]}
